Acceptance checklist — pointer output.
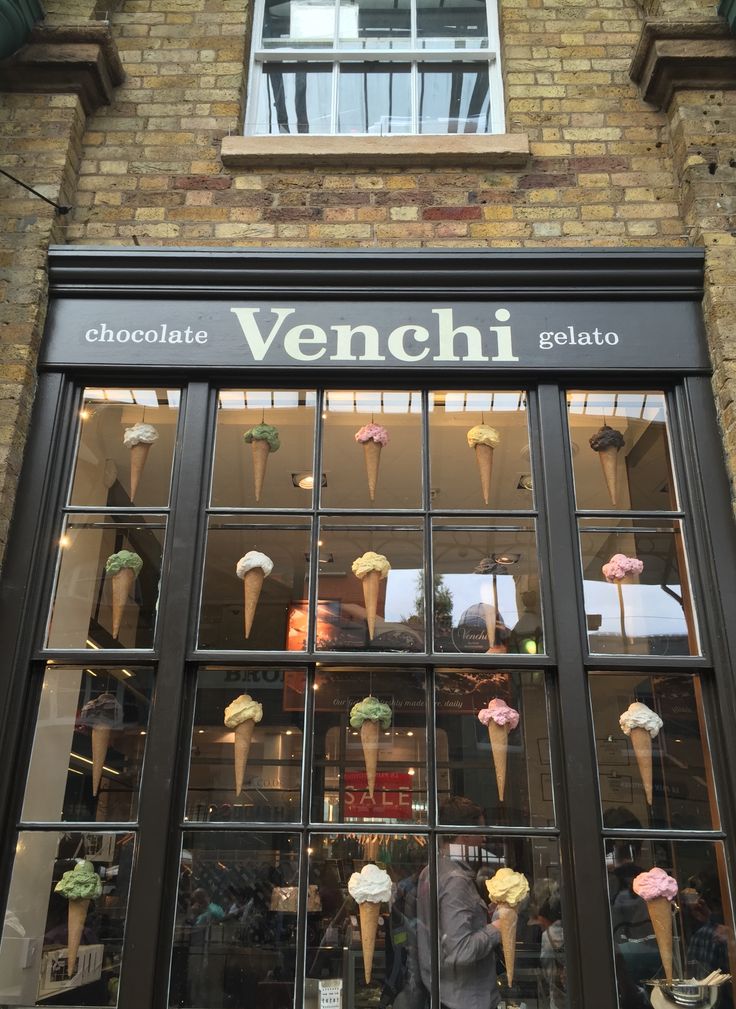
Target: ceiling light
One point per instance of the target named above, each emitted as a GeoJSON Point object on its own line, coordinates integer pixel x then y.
{"type": "Point", "coordinates": [305, 480]}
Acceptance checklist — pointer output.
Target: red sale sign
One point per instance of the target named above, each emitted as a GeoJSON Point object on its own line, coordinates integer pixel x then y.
{"type": "Point", "coordinates": [391, 796]}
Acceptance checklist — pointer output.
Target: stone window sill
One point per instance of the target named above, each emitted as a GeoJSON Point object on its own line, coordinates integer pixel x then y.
{"type": "Point", "coordinates": [454, 150]}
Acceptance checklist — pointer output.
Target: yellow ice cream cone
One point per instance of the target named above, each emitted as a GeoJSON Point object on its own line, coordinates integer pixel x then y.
{"type": "Point", "coordinates": [484, 458]}
{"type": "Point", "coordinates": [243, 739]}
{"type": "Point", "coordinates": [371, 583]}
{"type": "Point", "coordinates": [506, 923]}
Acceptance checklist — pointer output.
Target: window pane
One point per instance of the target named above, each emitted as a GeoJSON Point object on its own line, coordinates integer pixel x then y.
{"type": "Point", "coordinates": [641, 604]}
{"type": "Point", "coordinates": [236, 921]}
{"type": "Point", "coordinates": [452, 26]}
{"type": "Point", "coordinates": [533, 967]}
{"type": "Point", "coordinates": [454, 98]}
{"type": "Point", "coordinates": [246, 607]}
{"type": "Point", "coordinates": [107, 585]}
{"type": "Point", "coordinates": [375, 24]}
{"type": "Point", "coordinates": [494, 471]}
{"type": "Point", "coordinates": [262, 752]}
{"type": "Point", "coordinates": [293, 24]}
{"type": "Point", "coordinates": [88, 745]}
{"type": "Point", "coordinates": [38, 962]}
{"type": "Point", "coordinates": [481, 759]}
{"type": "Point", "coordinates": [294, 98]}
{"type": "Point", "coordinates": [630, 466]}
{"type": "Point", "coordinates": [370, 769]}
{"type": "Point", "coordinates": [126, 445]}
{"type": "Point", "coordinates": [368, 951]}
{"type": "Point", "coordinates": [272, 468]}
{"type": "Point", "coordinates": [385, 469]}
{"type": "Point", "coordinates": [486, 590]}
{"type": "Point", "coordinates": [661, 780]}
{"type": "Point", "coordinates": [698, 920]}
{"type": "Point", "coordinates": [374, 99]}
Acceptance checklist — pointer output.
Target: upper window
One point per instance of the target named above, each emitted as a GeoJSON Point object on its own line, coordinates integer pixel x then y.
{"type": "Point", "coordinates": [375, 67]}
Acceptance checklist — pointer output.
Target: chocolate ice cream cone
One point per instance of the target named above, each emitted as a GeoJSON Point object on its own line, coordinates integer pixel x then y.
{"type": "Point", "coordinates": [506, 922]}
{"type": "Point", "coordinates": [499, 736]}
{"type": "Point", "coordinates": [484, 458]}
{"type": "Point", "coordinates": [660, 911]}
{"type": "Point", "coordinates": [369, 914]}
{"type": "Point", "coordinates": [138, 456]}
{"type": "Point", "coordinates": [372, 455]}
{"type": "Point", "coordinates": [76, 917]}
{"type": "Point", "coordinates": [642, 743]}
{"type": "Point", "coordinates": [609, 464]}
{"type": "Point", "coordinates": [243, 738]}
{"type": "Point", "coordinates": [122, 583]}
{"type": "Point", "coordinates": [369, 735]}
{"type": "Point", "coordinates": [371, 583]}
{"type": "Point", "coordinates": [100, 742]}
{"type": "Point", "coordinates": [261, 452]}
{"type": "Point", "coordinates": [252, 585]}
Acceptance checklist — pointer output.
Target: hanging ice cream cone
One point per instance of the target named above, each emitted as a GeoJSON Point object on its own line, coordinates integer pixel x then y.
{"type": "Point", "coordinates": [371, 846]}
{"type": "Point", "coordinates": [369, 736]}
{"type": "Point", "coordinates": [609, 465]}
{"type": "Point", "coordinates": [243, 739]}
{"type": "Point", "coordinates": [641, 740]}
{"type": "Point", "coordinates": [138, 456]}
{"type": "Point", "coordinates": [499, 737]}
{"type": "Point", "coordinates": [506, 922]}
{"type": "Point", "coordinates": [489, 615]}
{"type": "Point", "coordinates": [372, 456]}
{"type": "Point", "coordinates": [100, 742]}
{"type": "Point", "coordinates": [369, 914]}
{"type": "Point", "coordinates": [660, 912]}
{"type": "Point", "coordinates": [122, 583]}
{"type": "Point", "coordinates": [76, 917]}
{"type": "Point", "coordinates": [261, 452]}
{"type": "Point", "coordinates": [252, 585]}
{"type": "Point", "coordinates": [371, 583]}
{"type": "Point", "coordinates": [484, 458]}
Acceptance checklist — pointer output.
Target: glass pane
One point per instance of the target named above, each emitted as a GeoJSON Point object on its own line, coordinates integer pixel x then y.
{"type": "Point", "coordinates": [495, 470]}
{"type": "Point", "coordinates": [476, 930]}
{"type": "Point", "coordinates": [248, 731]}
{"type": "Point", "coordinates": [89, 743]}
{"type": "Point", "coordinates": [375, 24]}
{"type": "Point", "coordinates": [641, 604]}
{"type": "Point", "coordinates": [294, 98]}
{"type": "Point", "coordinates": [65, 951]}
{"type": "Point", "coordinates": [620, 447]}
{"type": "Point", "coordinates": [255, 584]}
{"type": "Point", "coordinates": [382, 607]}
{"type": "Point", "coordinates": [299, 24]}
{"type": "Point", "coordinates": [364, 954]}
{"type": "Point", "coordinates": [501, 760]}
{"type": "Point", "coordinates": [374, 99]}
{"type": "Point", "coordinates": [273, 468]}
{"type": "Point", "coordinates": [457, 26]}
{"type": "Point", "coordinates": [372, 449]}
{"type": "Point", "coordinates": [106, 593]}
{"type": "Point", "coordinates": [126, 444]}
{"type": "Point", "coordinates": [653, 760]}
{"type": "Point", "coordinates": [454, 98]}
{"type": "Point", "coordinates": [693, 936]}
{"type": "Point", "coordinates": [486, 590]}
{"type": "Point", "coordinates": [370, 746]}
{"type": "Point", "coordinates": [236, 921]}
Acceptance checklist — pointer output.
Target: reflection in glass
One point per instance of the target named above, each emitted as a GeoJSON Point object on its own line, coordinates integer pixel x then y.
{"type": "Point", "coordinates": [475, 760]}
{"type": "Point", "coordinates": [454, 98]}
{"type": "Point", "coordinates": [107, 586]}
{"type": "Point", "coordinates": [275, 605]}
{"type": "Point", "coordinates": [534, 957]}
{"type": "Point", "coordinates": [486, 590]}
{"type": "Point", "coordinates": [236, 920]}
{"type": "Point", "coordinates": [628, 464]}
{"type": "Point", "coordinates": [270, 759]}
{"type": "Point", "coordinates": [126, 445]}
{"type": "Point", "coordinates": [642, 604]}
{"type": "Point", "coordinates": [34, 954]}
{"type": "Point", "coordinates": [88, 745]}
{"type": "Point", "coordinates": [457, 470]}
{"type": "Point", "coordinates": [343, 941]}
{"type": "Point", "coordinates": [345, 610]}
{"type": "Point", "coordinates": [370, 769]}
{"type": "Point", "coordinates": [294, 98]}
{"type": "Point", "coordinates": [279, 465]}
{"type": "Point", "coordinates": [440, 26]}
{"type": "Point", "coordinates": [374, 99]}
{"type": "Point", "coordinates": [375, 24]}
{"type": "Point", "coordinates": [701, 916]}
{"type": "Point", "coordinates": [383, 468]}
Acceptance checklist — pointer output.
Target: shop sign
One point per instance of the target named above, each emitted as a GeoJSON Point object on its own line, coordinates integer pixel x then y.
{"type": "Point", "coordinates": [391, 796]}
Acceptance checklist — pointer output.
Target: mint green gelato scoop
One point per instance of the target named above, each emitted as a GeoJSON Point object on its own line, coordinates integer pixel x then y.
{"type": "Point", "coordinates": [80, 883]}
{"type": "Point", "coordinates": [123, 559]}
{"type": "Point", "coordinates": [370, 708]}
{"type": "Point", "coordinates": [264, 432]}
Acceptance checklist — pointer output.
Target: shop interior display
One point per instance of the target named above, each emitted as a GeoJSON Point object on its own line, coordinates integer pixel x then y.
{"type": "Point", "coordinates": [242, 715]}
{"type": "Point", "coordinates": [500, 720]}
{"type": "Point", "coordinates": [371, 568]}
{"type": "Point", "coordinates": [369, 888]}
{"type": "Point", "coordinates": [139, 438]}
{"type": "Point", "coordinates": [253, 567]}
{"type": "Point", "coordinates": [124, 567]}
{"type": "Point", "coordinates": [484, 439]}
{"type": "Point", "coordinates": [263, 439]}
{"type": "Point", "coordinates": [608, 442]}
{"type": "Point", "coordinates": [642, 725]}
{"type": "Point", "coordinates": [370, 716]}
{"type": "Point", "coordinates": [618, 570]}
{"type": "Point", "coordinates": [102, 715]}
{"type": "Point", "coordinates": [80, 886]}
{"type": "Point", "coordinates": [373, 438]}
{"type": "Point", "coordinates": [508, 889]}
{"type": "Point", "coordinates": [658, 890]}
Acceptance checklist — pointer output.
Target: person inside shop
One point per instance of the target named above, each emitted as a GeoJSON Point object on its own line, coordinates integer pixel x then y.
{"type": "Point", "coordinates": [552, 951]}
{"type": "Point", "coordinates": [202, 910]}
{"type": "Point", "coordinates": [468, 939]}
{"type": "Point", "coordinates": [703, 918]}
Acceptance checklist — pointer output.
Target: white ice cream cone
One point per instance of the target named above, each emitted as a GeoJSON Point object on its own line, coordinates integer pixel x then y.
{"type": "Point", "coordinates": [261, 452]}
{"type": "Point", "coordinates": [369, 914]}
{"type": "Point", "coordinates": [609, 465]}
{"type": "Point", "coordinates": [484, 458]}
{"type": "Point", "coordinates": [243, 738]}
{"type": "Point", "coordinates": [499, 736]}
{"type": "Point", "coordinates": [76, 917]}
{"type": "Point", "coordinates": [660, 912]}
{"type": "Point", "coordinates": [252, 585]}
{"type": "Point", "coordinates": [100, 742]}
{"type": "Point", "coordinates": [122, 583]}
{"type": "Point", "coordinates": [641, 740]}
{"type": "Point", "coordinates": [369, 736]}
{"type": "Point", "coordinates": [372, 455]}
{"type": "Point", "coordinates": [506, 922]}
{"type": "Point", "coordinates": [371, 583]}
{"type": "Point", "coordinates": [138, 456]}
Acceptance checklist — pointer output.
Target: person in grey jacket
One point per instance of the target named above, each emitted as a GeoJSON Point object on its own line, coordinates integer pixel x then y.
{"type": "Point", "coordinates": [468, 940]}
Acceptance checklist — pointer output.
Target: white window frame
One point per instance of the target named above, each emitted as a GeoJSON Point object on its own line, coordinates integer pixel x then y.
{"type": "Point", "coordinates": [260, 57]}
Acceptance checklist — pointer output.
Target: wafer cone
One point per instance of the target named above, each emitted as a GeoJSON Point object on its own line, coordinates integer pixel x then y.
{"type": "Point", "coordinates": [371, 583]}
{"type": "Point", "coordinates": [369, 913]}
{"type": "Point", "coordinates": [506, 924]}
{"type": "Point", "coordinates": [122, 583]}
{"type": "Point", "coordinates": [76, 917]}
{"type": "Point", "coordinates": [372, 455]}
{"type": "Point", "coordinates": [499, 736]}
{"type": "Point", "coordinates": [100, 743]}
{"type": "Point", "coordinates": [484, 458]}
{"type": "Point", "coordinates": [243, 738]}
{"type": "Point", "coordinates": [369, 735]}
{"type": "Point", "coordinates": [642, 743]}
{"type": "Point", "coordinates": [138, 456]}
{"type": "Point", "coordinates": [609, 465]}
{"type": "Point", "coordinates": [252, 585]}
{"type": "Point", "coordinates": [660, 911]}
{"type": "Point", "coordinates": [489, 615]}
{"type": "Point", "coordinates": [261, 452]}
